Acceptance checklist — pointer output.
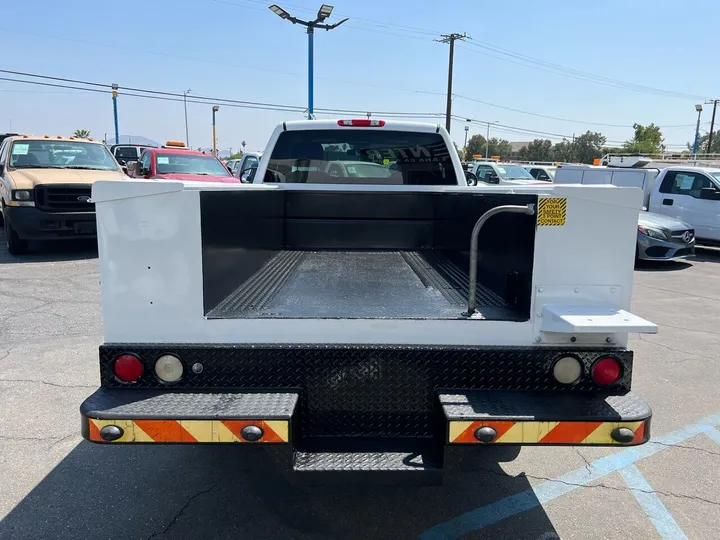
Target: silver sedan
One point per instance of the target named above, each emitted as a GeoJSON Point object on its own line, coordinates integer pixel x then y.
{"type": "Point", "coordinates": [662, 238]}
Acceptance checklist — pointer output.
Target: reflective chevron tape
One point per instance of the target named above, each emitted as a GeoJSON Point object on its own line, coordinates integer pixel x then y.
{"type": "Point", "coordinates": [509, 432]}
{"type": "Point", "coordinates": [190, 431]}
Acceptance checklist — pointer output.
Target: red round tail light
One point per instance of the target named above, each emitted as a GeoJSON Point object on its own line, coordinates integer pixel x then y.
{"type": "Point", "coordinates": [606, 370]}
{"type": "Point", "coordinates": [128, 368]}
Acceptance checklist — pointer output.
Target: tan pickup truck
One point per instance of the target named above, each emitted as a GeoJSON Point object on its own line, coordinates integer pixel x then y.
{"type": "Point", "coordinates": [45, 188]}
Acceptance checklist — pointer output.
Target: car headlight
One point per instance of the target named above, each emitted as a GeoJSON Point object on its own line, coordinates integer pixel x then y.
{"type": "Point", "coordinates": [22, 195]}
{"type": "Point", "coordinates": [652, 233]}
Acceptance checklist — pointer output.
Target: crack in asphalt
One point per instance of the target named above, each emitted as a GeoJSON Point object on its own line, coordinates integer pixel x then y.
{"type": "Point", "coordinates": [605, 486]}
{"type": "Point", "coordinates": [688, 329]}
{"type": "Point", "coordinates": [50, 383]}
{"type": "Point", "coordinates": [587, 463]}
{"type": "Point", "coordinates": [668, 347]}
{"type": "Point", "coordinates": [22, 438]}
{"type": "Point", "coordinates": [689, 295]}
{"type": "Point", "coordinates": [687, 448]}
{"type": "Point", "coordinates": [181, 512]}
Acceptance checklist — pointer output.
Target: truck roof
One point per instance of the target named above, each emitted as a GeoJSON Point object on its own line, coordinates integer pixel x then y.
{"type": "Point", "coordinates": [52, 138]}
{"type": "Point", "coordinates": [392, 125]}
{"type": "Point", "coordinates": [183, 151]}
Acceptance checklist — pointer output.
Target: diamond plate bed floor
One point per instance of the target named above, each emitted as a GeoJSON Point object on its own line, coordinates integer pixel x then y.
{"type": "Point", "coordinates": [358, 284]}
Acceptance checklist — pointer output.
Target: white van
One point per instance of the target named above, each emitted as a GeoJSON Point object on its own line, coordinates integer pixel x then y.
{"type": "Point", "coordinates": [690, 194]}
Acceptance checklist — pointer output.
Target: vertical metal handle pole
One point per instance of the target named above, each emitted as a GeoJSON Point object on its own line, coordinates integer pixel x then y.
{"type": "Point", "coordinates": [310, 32]}
{"type": "Point", "coordinates": [528, 209]}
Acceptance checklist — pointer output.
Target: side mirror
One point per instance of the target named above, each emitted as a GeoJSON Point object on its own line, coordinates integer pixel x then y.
{"type": "Point", "coordinates": [710, 194]}
{"type": "Point", "coordinates": [492, 178]}
{"type": "Point", "coordinates": [248, 175]}
{"type": "Point", "coordinates": [129, 167]}
{"type": "Point", "coordinates": [471, 178]}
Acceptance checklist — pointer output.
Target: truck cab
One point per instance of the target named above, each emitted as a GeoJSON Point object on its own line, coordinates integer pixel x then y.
{"type": "Point", "coordinates": [690, 194]}
{"type": "Point", "coordinates": [380, 323]}
{"type": "Point", "coordinates": [46, 187]}
{"type": "Point", "coordinates": [174, 161]}
{"type": "Point", "coordinates": [498, 173]}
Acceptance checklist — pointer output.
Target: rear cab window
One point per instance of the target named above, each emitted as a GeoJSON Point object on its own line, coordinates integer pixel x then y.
{"type": "Point", "coordinates": [361, 156]}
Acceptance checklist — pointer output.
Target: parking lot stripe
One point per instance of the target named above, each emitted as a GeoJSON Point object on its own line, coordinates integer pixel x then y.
{"type": "Point", "coordinates": [713, 433]}
{"type": "Point", "coordinates": [551, 489]}
{"type": "Point", "coordinates": [651, 504]}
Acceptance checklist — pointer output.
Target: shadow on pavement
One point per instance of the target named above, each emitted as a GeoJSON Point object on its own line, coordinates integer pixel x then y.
{"type": "Point", "coordinates": [61, 250]}
{"type": "Point", "coordinates": [662, 266]}
{"type": "Point", "coordinates": [707, 254]}
{"type": "Point", "coordinates": [211, 492]}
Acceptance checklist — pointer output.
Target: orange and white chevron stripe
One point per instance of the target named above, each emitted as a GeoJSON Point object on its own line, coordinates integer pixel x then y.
{"type": "Point", "coordinates": [190, 431]}
{"type": "Point", "coordinates": [509, 432]}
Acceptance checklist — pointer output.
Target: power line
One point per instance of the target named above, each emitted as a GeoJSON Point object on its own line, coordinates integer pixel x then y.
{"type": "Point", "coordinates": [542, 65]}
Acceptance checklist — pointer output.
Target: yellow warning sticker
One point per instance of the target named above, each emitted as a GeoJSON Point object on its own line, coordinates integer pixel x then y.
{"type": "Point", "coordinates": [551, 211]}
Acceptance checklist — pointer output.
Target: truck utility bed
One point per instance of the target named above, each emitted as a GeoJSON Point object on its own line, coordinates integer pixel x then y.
{"type": "Point", "coordinates": [360, 284]}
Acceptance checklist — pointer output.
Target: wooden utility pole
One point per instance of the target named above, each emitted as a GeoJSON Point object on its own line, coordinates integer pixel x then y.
{"type": "Point", "coordinates": [712, 124]}
{"type": "Point", "coordinates": [451, 39]}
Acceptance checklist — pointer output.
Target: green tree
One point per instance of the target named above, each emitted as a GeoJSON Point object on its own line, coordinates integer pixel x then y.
{"type": "Point", "coordinates": [537, 150]}
{"type": "Point", "coordinates": [475, 146]}
{"type": "Point", "coordinates": [646, 140]}
{"type": "Point", "coordinates": [236, 155]}
{"type": "Point", "coordinates": [588, 147]}
{"type": "Point", "coordinates": [703, 144]}
{"type": "Point", "coordinates": [82, 134]}
{"type": "Point", "coordinates": [499, 147]}
{"type": "Point", "coordinates": [564, 151]}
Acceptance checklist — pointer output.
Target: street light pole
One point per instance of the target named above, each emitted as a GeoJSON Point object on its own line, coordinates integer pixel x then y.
{"type": "Point", "coordinates": [323, 13]}
{"type": "Point", "coordinates": [698, 108]}
{"type": "Point", "coordinates": [115, 89]}
{"type": "Point", "coordinates": [215, 109]}
{"type": "Point", "coordinates": [487, 139]}
{"type": "Point", "coordinates": [712, 124]}
{"type": "Point", "coordinates": [467, 128]}
{"type": "Point", "coordinates": [187, 133]}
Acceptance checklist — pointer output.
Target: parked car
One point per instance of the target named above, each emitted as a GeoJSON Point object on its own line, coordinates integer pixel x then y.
{"type": "Point", "coordinates": [497, 173]}
{"type": "Point", "coordinates": [250, 160]}
{"type": "Point", "coordinates": [541, 172]}
{"type": "Point", "coordinates": [660, 237]}
{"type": "Point", "coordinates": [127, 152]}
{"type": "Point", "coordinates": [45, 187]}
{"type": "Point", "coordinates": [175, 162]}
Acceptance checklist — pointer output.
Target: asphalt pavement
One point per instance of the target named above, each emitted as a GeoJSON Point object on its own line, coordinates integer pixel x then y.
{"type": "Point", "coordinates": [54, 485]}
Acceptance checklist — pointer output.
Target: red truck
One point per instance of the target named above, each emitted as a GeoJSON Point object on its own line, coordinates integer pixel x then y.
{"type": "Point", "coordinates": [176, 162]}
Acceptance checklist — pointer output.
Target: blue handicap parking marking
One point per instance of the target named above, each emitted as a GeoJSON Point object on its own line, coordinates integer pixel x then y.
{"type": "Point", "coordinates": [547, 491]}
{"type": "Point", "coordinates": [651, 504]}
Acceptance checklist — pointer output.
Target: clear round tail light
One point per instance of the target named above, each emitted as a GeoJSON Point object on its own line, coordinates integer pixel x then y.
{"type": "Point", "coordinates": [169, 368]}
{"type": "Point", "coordinates": [567, 370]}
{"type": "Point", "coordinates": [128, 368]}
{"type": "Point", "coordinates": [606, 370]}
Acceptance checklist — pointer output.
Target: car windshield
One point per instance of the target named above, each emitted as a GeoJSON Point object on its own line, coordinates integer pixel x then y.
{"type": "Point", "coordinates": [189, 164]}
{"type": "Point", "coordinates": [513, 172]}
{"type": "Point", "coordinates": [551, 171]}
{"type": "Point", "coordinates": [126, 152]}
{"type": "Point", "coordinates": [54, 154]}
{"type": "Point", "coordinates": [717, 175]}
{"type": "Point", "coordinates": [361, 156]}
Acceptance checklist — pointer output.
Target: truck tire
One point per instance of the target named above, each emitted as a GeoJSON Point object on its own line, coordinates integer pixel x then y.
{"type": "Point", "coordinates": [15, 245]}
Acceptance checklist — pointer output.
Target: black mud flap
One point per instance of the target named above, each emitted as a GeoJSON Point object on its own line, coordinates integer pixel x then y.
{"type": "Point", "coordinates": [487, 417]}
{"type": "Point", "coordinates": [151, 416]}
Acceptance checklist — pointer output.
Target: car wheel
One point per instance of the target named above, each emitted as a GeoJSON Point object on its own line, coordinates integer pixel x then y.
{"type": "Point", "coordinates": [15, 244]}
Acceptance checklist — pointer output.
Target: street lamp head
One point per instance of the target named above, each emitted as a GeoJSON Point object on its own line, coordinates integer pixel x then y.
{"type": "Point", "coordinates": [698, 107]}
{"type": "Point", "coordinates": [280, 12]}
{"type": "Point", "coordinates": [467, 128]}
{"type": "Point", "coordinates": [324, 12]}
{"type": "Point", "coordinates": [115, 86]}
{"type": "Point", "coordinates": [216, 108]}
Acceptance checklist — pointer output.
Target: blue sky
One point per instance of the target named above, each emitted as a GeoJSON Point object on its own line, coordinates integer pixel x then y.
{"type": "Point", "coordinates": [238, 49]}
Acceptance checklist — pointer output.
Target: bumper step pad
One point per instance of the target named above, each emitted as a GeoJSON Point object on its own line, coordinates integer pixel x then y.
{"type": "Point", "coordinates": [143, 416]}
{"type": "Point", "coordinates": [494, 417]}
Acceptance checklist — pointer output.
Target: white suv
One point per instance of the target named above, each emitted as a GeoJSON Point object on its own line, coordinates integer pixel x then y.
{"type": "Point", "coordinates": [490, 172]}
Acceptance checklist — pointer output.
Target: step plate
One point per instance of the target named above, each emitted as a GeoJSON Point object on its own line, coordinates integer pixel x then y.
{"type": "Point", "coordinates": [530, 418]}
{"type": "Point", "coordinates": [145, 416]}
{"type": "Point", "coordinates": [362, 461]}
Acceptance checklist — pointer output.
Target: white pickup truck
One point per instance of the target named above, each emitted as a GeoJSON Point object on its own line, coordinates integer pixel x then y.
{"type": "Point", "coordinates": [374, 323]}
{"type": "Point", "coordinates": [684, 192]}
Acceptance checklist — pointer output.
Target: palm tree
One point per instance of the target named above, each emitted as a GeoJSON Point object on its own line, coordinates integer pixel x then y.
{"type": "Point", "coordinates": [81, 133]}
